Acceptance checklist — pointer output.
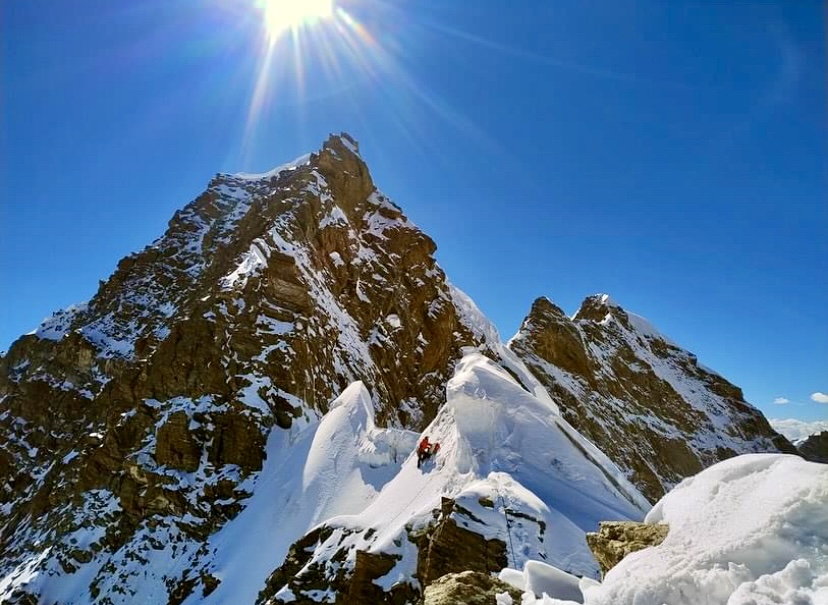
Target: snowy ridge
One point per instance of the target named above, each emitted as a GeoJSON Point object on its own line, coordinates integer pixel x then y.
{"type": "Point", "coordinates": [334, 467]}
{"type": "Point", "coordinates": [649, 404]}
{"type": "Point", "coordinates": [482, 327]}
{"type": "Point", "coordinates": [502, 449]}
{"type": "Point", "coordinates": [302, 160]}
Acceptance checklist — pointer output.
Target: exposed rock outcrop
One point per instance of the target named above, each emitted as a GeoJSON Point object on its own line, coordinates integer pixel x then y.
{"type": "Point", "coordinates": [443, 547]}
{"type": "Point", "coordinates": [647, 403]}
{"type": "Point", "coordinates": [815, 448]}
{"type": "Point", "coordinates": [614, 540]}
{"type": "Point", "coordinates": [468, 588]}
{"type": "Point", "coordinates": [447, 547]}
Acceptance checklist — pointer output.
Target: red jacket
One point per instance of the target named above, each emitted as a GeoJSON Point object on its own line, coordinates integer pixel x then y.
{"type": "Point", "coordinates": [424, 445]}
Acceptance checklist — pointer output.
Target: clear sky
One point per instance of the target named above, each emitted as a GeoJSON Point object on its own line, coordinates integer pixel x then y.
{"type": "Point", "coordinates": [672, 154]}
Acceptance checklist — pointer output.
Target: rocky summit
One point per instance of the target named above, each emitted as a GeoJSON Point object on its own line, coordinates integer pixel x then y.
{"type": "Point", "coordinates": [815, 447]}
{"type": "Point", "coordinates": [657, 412]}
{"type": "Point", "coordinates": [232, 416]}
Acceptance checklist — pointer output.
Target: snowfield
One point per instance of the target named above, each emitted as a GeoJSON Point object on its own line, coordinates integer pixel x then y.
{"type": "Point", "coordinates": [334, 467]}
{"type": "Point", "coordinates": [507, 458]}
{"type": "Point", "coordinates": [499, 444]}
{"type": "Point", "coordinates": [752, 530]}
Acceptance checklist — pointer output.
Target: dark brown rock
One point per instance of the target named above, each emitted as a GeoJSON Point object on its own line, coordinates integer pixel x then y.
{"type": "Point", "coordinates": [815, 448]}
{"type": "Point", "coordinates": [237, 439]}
{"type": "Point", "coordinates": [449, 548]}
{"type": "Point", "coordinates": [608, 377]}
{"type": "Point", "coordinates": [175, 445]}
{"type": "Point", "coordinates": [361, 587]}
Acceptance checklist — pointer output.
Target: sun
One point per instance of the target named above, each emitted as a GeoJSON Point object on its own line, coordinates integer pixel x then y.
{"type": "Point", "coordinates": [283, 15]}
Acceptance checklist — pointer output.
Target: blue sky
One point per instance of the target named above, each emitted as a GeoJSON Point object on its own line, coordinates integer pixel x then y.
{"type": "Point", "coordinates": [672, 154]}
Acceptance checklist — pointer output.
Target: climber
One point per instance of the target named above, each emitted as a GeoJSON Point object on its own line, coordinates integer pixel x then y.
{"type": "Point", "coordinates": [426, 450]}
{"type": "Point", "coordinates": [423, 451]}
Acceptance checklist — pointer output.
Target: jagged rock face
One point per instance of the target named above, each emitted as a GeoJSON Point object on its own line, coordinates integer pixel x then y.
{"type": "Point", "coordinates": [814, 448]}
{"type": "Point", "coordinates": [449, 548]}
{"type": "Point", "coordinates": [130, 424]}
{"type": "Point", "coordinates": [647, 403]}
{"type": "Point", "coordinates": [302, 578]}
{"type": "Point", "coordinates": [614, 540]}
{"type": "Point", "coordinates": [444, 547]}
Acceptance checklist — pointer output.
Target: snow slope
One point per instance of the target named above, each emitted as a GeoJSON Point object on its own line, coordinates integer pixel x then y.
{"type": "Point", "coordinates": [752, 530]}
{"type": "Point", "coordinates": [503, 452]}
{"type": "Point", "coordinates": [331, 468]}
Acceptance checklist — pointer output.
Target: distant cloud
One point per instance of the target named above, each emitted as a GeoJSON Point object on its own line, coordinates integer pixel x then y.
{"type": "Point", "coordinates": [781, 400]}
{"type": "Point", "coordinates": [819, 397]}
{"type": "Point", "coordinates": [797, 430]}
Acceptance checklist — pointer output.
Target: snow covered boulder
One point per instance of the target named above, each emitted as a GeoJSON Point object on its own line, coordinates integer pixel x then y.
{"type": "Point", "coordinates": [752, 530]}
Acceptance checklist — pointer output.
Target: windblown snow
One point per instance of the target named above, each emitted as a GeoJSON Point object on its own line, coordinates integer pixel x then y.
{"type": "Point", "coordinates": [334, 467]}
{"type": "Point", "coordinates": [752, 530]}
{"type": "Point", "coordinates": [500, 445]}
{"type": "Point", "coordinates": [499, 442]}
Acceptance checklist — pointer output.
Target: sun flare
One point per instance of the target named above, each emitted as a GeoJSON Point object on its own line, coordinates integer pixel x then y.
{"type": "Point", "coordinates": [311, 49]}
{"type": "Point", "coordinates": [281, 16]}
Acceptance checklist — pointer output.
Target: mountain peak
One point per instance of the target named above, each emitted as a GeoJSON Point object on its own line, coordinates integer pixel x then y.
{"type": "Point", "coordinates": [544, 306]}
{"type": "Point", "coordinates": [596, 308]}
{"type": "Point", "coordinates": [342, 146]}
{"type": "Point", "coordinates": [607, 368]}
{"type": "Point", "coordinates": [342, 143]}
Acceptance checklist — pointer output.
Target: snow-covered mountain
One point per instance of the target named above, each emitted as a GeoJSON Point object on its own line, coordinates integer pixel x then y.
{"type": "Point", "coordinates": [650, 405]}
{"type": "Point", "coordinates": [231, 418]}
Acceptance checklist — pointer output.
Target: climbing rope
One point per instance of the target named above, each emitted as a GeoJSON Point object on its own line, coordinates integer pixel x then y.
{"type": "Point", "coordinates": [508, 528]}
